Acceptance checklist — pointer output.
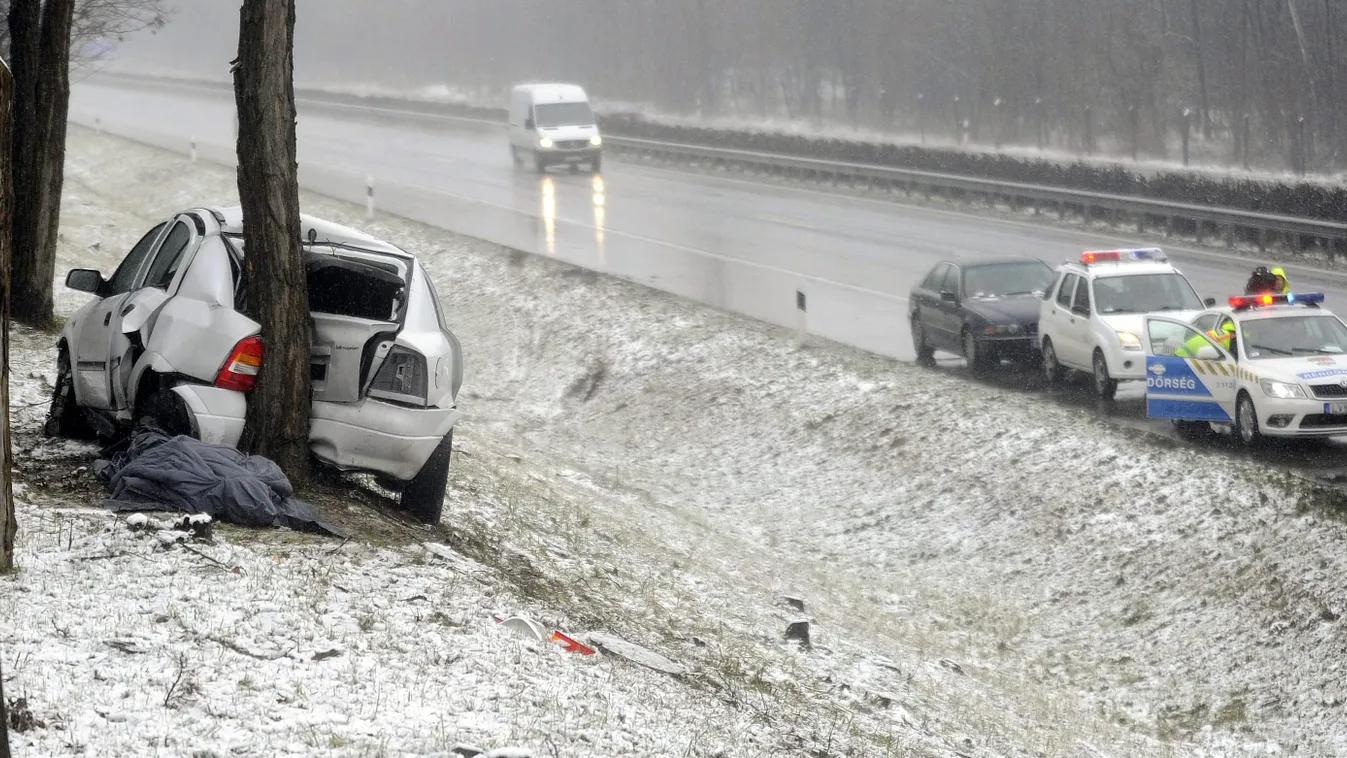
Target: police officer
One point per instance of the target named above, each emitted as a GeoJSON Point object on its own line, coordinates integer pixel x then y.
{"type": "Point", "coordinates": [1223, 336]}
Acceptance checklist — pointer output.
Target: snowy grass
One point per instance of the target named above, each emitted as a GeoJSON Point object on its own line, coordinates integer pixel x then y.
{"type": "Point", "coordinates": [987, 573]}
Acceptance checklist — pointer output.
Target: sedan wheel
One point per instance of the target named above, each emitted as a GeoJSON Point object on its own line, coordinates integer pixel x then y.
{"type": "Point", "coordinates": [1246, 421]}
{"type": "Point", "coordinates": [64, 417]}
{"type": "Point", "coordinates": [925, 353]}
{"type": "Point", "coordinates": [1104, 385]}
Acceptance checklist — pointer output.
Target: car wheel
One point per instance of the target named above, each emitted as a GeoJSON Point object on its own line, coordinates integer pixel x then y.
{"type": "Point", "coordinates": [925, 353]}
{"type": "Point", "coordinates": [1105, 386]}
{"type": "Point", "coordinates": [977, 358]}
{"type": "Point", "coordinates": [1052, 369]}
{"type": "Point", "coordinates": [539, 164]}
{"type": "Point", "coordinates": [65, 418]}
{"type": "Point", "coordinates": [423, 496]}
{"type": "Point", "coordinates": [168, 411]}
{"type": "Point", "coordinates": [1246, 421]}
{"type": "Point", "coordinates": [596, 165]}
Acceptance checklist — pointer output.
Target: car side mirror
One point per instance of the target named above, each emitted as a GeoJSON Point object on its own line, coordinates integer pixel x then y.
{"type": "Point", "coordinates": [84, 280]}
{"type": "Point", "coordinates": [949, 297]}
{"type": "Point", "coordinates": [1209, 302]}
{"type": "Point", "coordinates": [1208, 353]}
{"type": "Point", "coordinates": [528, 124]}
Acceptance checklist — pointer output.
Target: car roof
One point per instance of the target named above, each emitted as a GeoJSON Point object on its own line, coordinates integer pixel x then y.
{"type": "Point", "coordinates": [554, 92]}
{"type": "Point", "coordinates": [231, 222]}
{"type": "Point", "coordinates": [1128, 268]}
{"type": "Point", "coordinates": [991, 260]}
{"type": "Point", "coordinates": [1264, 312]}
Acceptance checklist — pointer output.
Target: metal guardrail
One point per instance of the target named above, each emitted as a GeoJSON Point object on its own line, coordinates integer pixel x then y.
{"type": "Point", "coordinates": [1036, 197]}
{"type": "Point", "coordinates": [1089, 205]}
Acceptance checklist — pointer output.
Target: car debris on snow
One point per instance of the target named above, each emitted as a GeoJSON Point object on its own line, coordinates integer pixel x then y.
{"type": "Point", "coordinates": [607, 643]}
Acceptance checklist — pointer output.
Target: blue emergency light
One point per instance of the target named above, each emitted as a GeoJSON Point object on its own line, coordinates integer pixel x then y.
{"type": "Point", "coordinates": [1118, 256]}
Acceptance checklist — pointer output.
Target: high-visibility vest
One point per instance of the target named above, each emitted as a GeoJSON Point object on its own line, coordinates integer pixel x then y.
{"type": "Point", "coordinates": [1195, 343]}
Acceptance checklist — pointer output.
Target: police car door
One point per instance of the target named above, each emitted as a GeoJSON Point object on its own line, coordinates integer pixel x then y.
{"type": "Point", "coordinates": [1186, 388]}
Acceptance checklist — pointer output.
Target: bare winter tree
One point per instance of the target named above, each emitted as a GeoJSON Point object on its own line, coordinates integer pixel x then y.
{"type": "Point", "coordinates": [40, 55]}
{"type": "Point", "coordinates": [102, 21]}
{"type": "Point", "coordinates": [277, 423]}
{"type": "Point", "coordinates": [8, 527]}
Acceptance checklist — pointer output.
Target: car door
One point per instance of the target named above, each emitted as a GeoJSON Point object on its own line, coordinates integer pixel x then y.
{"type": "Point", "coordinates": [150, 292]}
{"type": "Point", "coordinates": [1200, 388]}
{"type": "Point", "coordinates": [92, 335]}
{"type": "Point", "coordinates": [925, 296]}
{"type": "Point", "coordinates": [947, 309]}
{"type": "Point", "coordinates": [1077, 349]}
{"type": "Point", "coordinates": [1053, 325]}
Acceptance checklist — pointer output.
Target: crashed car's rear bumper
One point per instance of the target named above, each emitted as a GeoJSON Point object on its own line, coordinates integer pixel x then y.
{"type": "Point", "coordinates": [370, 435]}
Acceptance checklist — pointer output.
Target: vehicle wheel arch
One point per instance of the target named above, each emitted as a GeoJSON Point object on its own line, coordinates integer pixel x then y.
{"type": "Point", "coordinates": [146, 379]}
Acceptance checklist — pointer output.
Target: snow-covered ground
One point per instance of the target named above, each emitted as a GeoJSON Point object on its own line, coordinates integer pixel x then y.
{"type": "Point", "coordinates": [987, 574]}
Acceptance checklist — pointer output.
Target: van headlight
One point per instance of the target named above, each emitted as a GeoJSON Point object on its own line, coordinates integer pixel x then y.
{"type": "Point", "coordinates": [1281, 390]}
{"type": "Point", "coordinates": [544, 142]}
{"type": "Point", "coordinates": [596, 140]}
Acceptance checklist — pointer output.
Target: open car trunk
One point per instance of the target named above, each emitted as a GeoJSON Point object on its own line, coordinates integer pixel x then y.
{"type": "Point", "coordinates": [358, 300]}
{"type": "Point", "coordinates": [358, 308]}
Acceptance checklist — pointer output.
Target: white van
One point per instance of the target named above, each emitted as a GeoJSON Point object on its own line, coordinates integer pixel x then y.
{"type": "Point", "coordinates": [553, 125]}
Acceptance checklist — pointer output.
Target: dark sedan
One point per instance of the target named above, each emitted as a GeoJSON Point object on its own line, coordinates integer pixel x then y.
{"type": "Point", "coordinates": [983, 309]}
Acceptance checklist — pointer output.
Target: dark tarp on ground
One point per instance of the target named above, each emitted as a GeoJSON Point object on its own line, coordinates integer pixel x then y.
{"type": "Point", "coordinates": [156, 472]}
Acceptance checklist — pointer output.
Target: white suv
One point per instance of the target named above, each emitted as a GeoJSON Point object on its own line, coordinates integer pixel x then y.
{"type": "Point", "coordinates": [1092, 316]}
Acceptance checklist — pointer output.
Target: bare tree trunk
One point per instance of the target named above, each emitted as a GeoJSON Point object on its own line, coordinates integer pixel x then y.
{"type": "Point", "coordinates": [277, 422]}
{"type": "Point", "coordinates": [8, 527]}
{"type": "Point", "coordinates": [40, 48]}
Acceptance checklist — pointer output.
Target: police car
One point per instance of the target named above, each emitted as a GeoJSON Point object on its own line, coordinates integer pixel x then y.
{"type": "Point", "coordinates": [1091, 316]}
{"type": "Point", "coordinates": [1284, 373]}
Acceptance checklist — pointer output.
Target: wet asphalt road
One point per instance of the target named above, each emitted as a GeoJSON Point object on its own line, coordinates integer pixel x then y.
{"type": "Point", "coordinates": [728, 242]}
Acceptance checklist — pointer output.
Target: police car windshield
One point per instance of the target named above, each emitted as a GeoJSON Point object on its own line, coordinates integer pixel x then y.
{"type": "Point", "coordinates": [995, 280]}
{"type": "Point", "coordinates": [1145, 293]}
{"type": "Point", "coordinates": [1320, 334]}
{"type": "Point", "coordinates": [551, 115]}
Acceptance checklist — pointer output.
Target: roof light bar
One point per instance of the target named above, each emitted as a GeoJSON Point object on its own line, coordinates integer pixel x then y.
{"type": "Point", "coordinates": [1117, 256]}
{"type": "Point", "coordinates": [1291, 298]}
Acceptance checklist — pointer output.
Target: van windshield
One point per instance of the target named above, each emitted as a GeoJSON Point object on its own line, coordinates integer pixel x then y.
{"type": "Point", "coordinates": [562, 114]}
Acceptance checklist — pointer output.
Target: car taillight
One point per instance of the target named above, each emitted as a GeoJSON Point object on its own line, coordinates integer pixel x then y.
{"type": "Point", "coordinates": [402, 377]}
{"type": "Point", "coordinates": [239, 372]}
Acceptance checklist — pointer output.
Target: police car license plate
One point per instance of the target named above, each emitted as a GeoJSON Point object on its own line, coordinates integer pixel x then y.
{"type": "Point", "coordinates": [1335, 409]}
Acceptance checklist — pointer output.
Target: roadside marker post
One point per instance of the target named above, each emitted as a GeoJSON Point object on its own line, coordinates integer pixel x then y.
{"type": "Point", "coordinates": [193, 151]}
{"type": "Point", "coordinates": [369, 198]}
{"type": "Point", "coordinates": [801, 327]}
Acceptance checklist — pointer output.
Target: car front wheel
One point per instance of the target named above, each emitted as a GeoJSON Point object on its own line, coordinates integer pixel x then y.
{"type": "Point", "coordinates": [1105, 386]}
{"type": "Point", "coordinates": [65, 418]}
{"type": "Point", "coordinates": [1246, 421]}
{"type": "Point", "coordinates": [423, 497]}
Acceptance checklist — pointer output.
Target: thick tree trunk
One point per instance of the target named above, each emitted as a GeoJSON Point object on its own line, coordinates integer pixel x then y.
{"type": "Point", "coordinates": [7, 525]}
{"type": "Point", "coordinates": [40, 49]}
{"type": "Point", "coordinates": [277, 423]}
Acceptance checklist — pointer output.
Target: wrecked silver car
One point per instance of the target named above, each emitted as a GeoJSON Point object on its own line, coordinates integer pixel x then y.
{"type": "Point", "coordinates": [166, 336]}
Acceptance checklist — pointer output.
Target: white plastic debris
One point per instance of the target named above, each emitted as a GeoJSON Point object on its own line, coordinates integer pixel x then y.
{"type": "Point", "coordinates": [525, 627]}
{"type": "Point", "coordinates": [607, 643]}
